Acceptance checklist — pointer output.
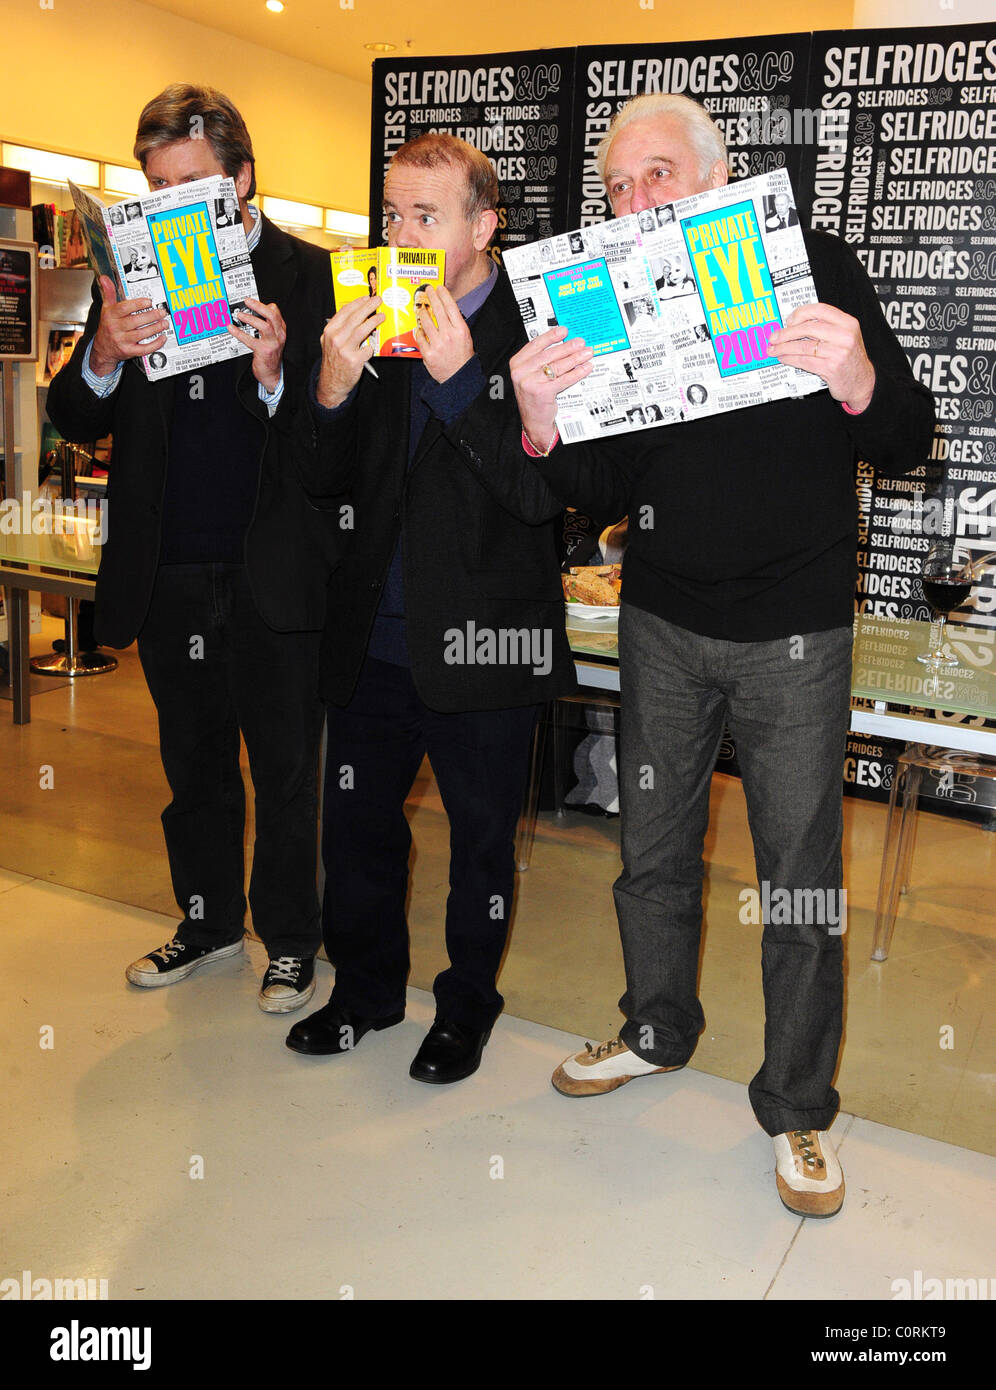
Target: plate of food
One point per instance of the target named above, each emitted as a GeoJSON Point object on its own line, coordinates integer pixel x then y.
{"type": "Point", "coordinates": [592, 591]}
{"type": "Point", "coordinates": [592, 611]}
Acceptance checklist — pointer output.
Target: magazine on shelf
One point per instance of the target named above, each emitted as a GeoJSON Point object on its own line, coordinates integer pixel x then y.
{"type": "Point", "coordinates": [44, 231]}
{"type": "Point", "coordinates": [72, 243]}
{"type": "Point", "coordinates": [678, 303]}
{"type": "Point", "coordinates": [185, 249]}
{"type": "Point", "coordinates": [59, 344]}
{"type": "Point", "coordinates": [400, 275]}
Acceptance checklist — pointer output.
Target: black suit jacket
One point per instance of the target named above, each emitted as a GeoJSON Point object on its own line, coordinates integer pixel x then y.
{"type": "Point", "coordinates": [290, 546]}
{"type": "Point", "coordinates": [478, 541]}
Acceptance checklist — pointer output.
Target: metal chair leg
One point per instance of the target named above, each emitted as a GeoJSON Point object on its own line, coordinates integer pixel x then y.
{"type": "Point", "coordinates": [527, 821]}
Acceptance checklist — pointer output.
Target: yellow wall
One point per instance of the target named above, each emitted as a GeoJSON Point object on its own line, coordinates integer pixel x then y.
{"type": "Point", "coordinates": [76, 76]}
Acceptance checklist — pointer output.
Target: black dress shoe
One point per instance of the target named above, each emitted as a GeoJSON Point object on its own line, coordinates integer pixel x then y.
{"type": "Point", "coordinates": [334, 1029]}
{"type": "Point", "coordinates": [450, 1052]}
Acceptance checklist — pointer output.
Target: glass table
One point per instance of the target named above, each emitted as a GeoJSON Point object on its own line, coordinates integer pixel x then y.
{"type": "Point", "coordinates": [595, 645]}
{"type": "Point", "coordinates": [945, 718]}
{"type": "Point", "coordinates": [47, 563]}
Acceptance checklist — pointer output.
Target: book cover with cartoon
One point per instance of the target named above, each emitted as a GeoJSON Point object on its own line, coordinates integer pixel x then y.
{"type": "Point", "coordinates": [401, 276]}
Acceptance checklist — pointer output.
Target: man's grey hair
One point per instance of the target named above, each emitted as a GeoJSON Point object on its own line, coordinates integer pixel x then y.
{"type": "Point", "coordinates": [704, 134]}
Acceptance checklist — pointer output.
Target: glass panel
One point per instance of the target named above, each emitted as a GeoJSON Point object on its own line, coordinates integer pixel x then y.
{"type": "Point", "coordinates": [77, 551]}
{"type": "Point", "coordinates": [886, 666]}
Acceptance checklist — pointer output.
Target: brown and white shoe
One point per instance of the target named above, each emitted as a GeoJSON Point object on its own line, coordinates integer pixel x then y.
{"type": "Point", "coordinates": [602, 1068]}
{"type": "Point", "coordinates": [808, 1173]}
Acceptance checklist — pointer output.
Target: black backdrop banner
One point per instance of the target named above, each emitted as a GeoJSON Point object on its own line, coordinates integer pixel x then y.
{"type": "Point", "coordinates": [516, 107]}
{"type": "Point", "coordinates": [909, 179]}
{"type": "Point", "coordinates": [755, 89]}
{"type": "Point", "coordinates": [890, 140]}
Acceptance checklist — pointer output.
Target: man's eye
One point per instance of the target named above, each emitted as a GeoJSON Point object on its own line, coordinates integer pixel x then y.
{"type": "Point", "coordinates": [427, 220]}
{"type": "Point", "coordinates": [661, 173]}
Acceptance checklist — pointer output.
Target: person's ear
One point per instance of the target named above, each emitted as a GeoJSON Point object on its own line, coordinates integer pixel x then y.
{"type": "Point", "coordinates": [484, 228]}
{"type": "Point", "coordinates": [243, 181]}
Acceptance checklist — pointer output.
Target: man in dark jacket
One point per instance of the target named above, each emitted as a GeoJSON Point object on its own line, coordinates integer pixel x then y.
{"type": "Point", "coordinates": [216, 561]}
{"type": "Point", "coordinates": [737, 605]}
{"type": "Point", "coordinates": [445, 625]}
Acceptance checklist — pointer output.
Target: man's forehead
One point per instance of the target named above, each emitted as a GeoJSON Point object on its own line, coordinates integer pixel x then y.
{"type": "Point", "coordinates": [649, 140]}
{"type": "Point", "coordinates": [199, 152]}
{"type": "Point", "coordinates": [187, 146]}
{"type": "Point", "coordinates": [395, 194]}
{"type": "Point", "coordinates": [428, 188]}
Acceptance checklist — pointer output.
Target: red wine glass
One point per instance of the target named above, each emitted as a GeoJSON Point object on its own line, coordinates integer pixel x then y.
{"type": "Point", "coordinates": [947, 585]}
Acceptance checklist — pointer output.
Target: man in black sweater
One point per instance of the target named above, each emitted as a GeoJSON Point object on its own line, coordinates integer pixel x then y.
{"type": "Point", "coordinates": [217, 563]}
{"type": "Point", "coordinates": [737, 606]}
{"type": "Point", "coordinates": [445, 621]}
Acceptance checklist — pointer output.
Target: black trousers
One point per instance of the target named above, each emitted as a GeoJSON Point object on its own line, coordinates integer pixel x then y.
{"type": "Point", "coordinates": [214, 669]}
{"type": "Point", "coordinates": [480, 760]}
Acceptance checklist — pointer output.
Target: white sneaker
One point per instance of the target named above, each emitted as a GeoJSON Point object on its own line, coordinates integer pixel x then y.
{"type": "Point", "coordinates": [288, 984]}
{"type": "Point", "coordinates": [175, 961]}
{"type": "Point", "coordinates": [602, 1068]}
{"type": "Point", "coordinates": [808, 1173]}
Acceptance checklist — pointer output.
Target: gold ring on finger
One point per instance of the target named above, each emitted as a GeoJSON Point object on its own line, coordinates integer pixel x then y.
{"type": "Point", "coordinates": [549, 372]}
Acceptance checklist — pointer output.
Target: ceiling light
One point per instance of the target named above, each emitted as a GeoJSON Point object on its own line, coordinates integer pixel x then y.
{"type": "Point", "coordinates": [47, 167]}
{"type": "Point", "coordinates": [380, 47]}
{"type": "Point", "coordinates": [292, 214]}
{"type": "Point", "coordinates": [346, 223]}
{"type": "Point", "coordinates": [119, 178]}
{"type": "Point", "coordinates": [274, 6]}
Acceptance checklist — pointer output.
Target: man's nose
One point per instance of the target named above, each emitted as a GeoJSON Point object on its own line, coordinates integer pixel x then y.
{"type": "Point", "coordinates": [408, 234]}
{"type": "Point", "coordinates": [642, 197]}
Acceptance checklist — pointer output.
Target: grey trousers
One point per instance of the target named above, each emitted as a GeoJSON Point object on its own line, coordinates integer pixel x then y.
{"type": "Point", "coordinates": [786, 703]}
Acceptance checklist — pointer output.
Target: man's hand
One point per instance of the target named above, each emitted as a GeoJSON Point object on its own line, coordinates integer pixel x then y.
{"type": "Point", "coordinates": [536, 389]}
{"type": "Point", "coordinates": [346, 347]}
{"type": "Point", "coordinates": [121, 328]}
{"type": "Point", "coordinates": [827, 342]}
{"type": "Point", "coordinates": [268, 347]}
{"type": "Point", "coordinates": [445, 345]}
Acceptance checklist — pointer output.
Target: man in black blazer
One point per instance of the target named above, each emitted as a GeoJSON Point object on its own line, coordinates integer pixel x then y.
{"type": "Point", "coordinates": [216, 561]}
{"type": "Point", "coordinates": [445, 626]}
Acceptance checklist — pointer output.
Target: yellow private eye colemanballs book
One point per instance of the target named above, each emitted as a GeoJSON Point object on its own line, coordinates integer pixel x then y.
{"type": "Point", "coordinates": [401, 276]}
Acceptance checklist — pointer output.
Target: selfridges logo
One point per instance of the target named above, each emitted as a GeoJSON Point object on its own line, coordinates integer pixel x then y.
{"type": "Point", "coordinates": [504, 646]}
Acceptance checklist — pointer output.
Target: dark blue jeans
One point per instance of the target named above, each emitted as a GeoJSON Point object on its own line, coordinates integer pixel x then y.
{"type": "Point", "coordinates": [480, 760]}
{"type": "Point", "coordinates": [214, 669]}
{"type": "Point", "coordinates": [786, 703]}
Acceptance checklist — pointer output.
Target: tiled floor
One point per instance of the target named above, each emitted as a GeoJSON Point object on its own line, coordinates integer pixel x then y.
{"type": "Point", "coordinates": [348, 1173]}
